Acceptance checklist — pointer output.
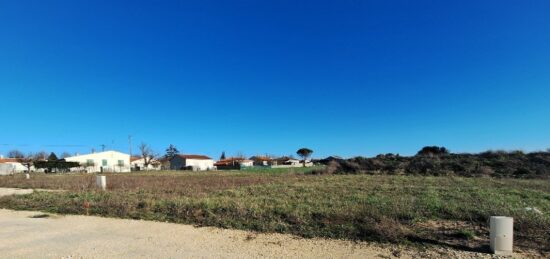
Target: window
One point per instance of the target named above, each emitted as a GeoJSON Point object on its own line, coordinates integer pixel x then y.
{"type": "Point", "coordinates": [90, 162]}
{"type": "Point", "coordinates": [120, 162]}
{"type": "Point", "coordinates": [104, 162]}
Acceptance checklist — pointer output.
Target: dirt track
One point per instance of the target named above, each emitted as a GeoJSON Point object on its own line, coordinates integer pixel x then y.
{"type": "Point", "coordinates": [14, 191]}
{"type": "Point", "coordinates": [93, 237]}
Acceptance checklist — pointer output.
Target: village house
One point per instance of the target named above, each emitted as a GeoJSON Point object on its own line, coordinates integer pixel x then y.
{"type": "Point", "coordinates": [285, 162]}
{"type": "Point", "coordinates": [288, 161]}
{"type": "Point", "coordinates": [233, 163]}
{"type": "Point", "coordinates": [261, 160]}
{"type": "Point", "coordinates": [138, 164]}
{"type": "Point", "coordinates": [107, 161]}
{"type": "Point", "coordinates": [192, 162]}
{"type": "Point", "coordinates": [164, 163]}
{"type": "Point", "coordinates": [10, 166]}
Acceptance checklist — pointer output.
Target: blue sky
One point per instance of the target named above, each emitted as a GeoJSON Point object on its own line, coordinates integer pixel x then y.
{"type": "Point", "coordinates": [341, 77]}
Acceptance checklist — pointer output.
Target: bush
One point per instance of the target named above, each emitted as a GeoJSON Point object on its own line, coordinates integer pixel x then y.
{"type": "Point", "coordinates": [433, 151]}
{"type": "Point", "coordinates": [437, 161]}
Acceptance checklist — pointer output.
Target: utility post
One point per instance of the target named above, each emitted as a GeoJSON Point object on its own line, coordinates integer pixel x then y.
{"type": "Point", "coordinates": [130, 144]}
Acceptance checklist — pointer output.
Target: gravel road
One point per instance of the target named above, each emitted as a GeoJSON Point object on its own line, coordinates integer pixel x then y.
{"type": "Point", "coordinates": [31, 235]}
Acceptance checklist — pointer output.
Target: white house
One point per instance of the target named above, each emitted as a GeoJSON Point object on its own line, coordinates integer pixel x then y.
{"type": "Point", "coordinates": [191, 162]}
{"type": "Point", "coordinates": [138, 164]}
{"type": "Point", "coordinates": [286, 162]}
{"type": "Point", "coordinates": [247, 163]}
{"type": "Point", "coordinates": [107, 161]}
{"type": "Point", "coordinates": [11, 165]}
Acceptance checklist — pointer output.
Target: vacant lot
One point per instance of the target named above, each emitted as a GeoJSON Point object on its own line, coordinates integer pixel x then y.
{"type": "Point", "coordinates": [447, 211]}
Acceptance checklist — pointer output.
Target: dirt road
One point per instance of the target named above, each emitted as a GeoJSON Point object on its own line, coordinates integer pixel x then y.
{"type": "Point", "coordinates": [14, 191]}
{"type": "Point", "coordinates": [92, 237]}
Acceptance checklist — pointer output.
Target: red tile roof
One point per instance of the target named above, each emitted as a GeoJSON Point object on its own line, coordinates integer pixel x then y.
{"type": "Point", "coordinates": [229, 161]}
{"type": "Point", "coordinates": [8, 160]}
{"type": "Point", "coordinates": [134, 158]}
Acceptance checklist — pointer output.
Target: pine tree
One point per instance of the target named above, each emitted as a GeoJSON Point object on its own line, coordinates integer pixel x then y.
{"type": "Point", "coordinates": [304, 153]}
{"type": "Point", "coordinates": [222, 157]}
{"type": "Point", "coordinates": [52, 157]}
{"type": "Point", "coordinates": [171, 151]}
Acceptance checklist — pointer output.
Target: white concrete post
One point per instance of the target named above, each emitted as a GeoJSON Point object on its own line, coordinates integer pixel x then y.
{"type": "Point", "coordinates": [101, 182]}
{"type": "Point", "coordinates": [502, 235]}
{"type": "Point", "coordinates": [27, 176]}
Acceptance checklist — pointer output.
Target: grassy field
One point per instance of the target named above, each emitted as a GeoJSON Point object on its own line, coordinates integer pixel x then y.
{"type": "Point", "coordinates": [448, 211]}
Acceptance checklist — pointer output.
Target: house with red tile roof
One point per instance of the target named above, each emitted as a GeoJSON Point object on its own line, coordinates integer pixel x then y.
{"type": "Point", "coordinates": [262, 160]}
{"type": "Point", "coordinates": [233, 163]}
{"type": "Point", "coordinates": [10, 166]}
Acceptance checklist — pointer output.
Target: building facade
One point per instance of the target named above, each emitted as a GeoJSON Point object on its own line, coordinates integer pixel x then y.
{"type": "Point", "coordinates": [192, 162]}
{"type": "Point", "coordinates": [107, 161]}
{"type": "Point", "coordinates": [138, 164]}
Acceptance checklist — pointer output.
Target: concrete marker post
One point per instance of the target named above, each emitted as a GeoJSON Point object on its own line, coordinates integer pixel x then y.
{"type": "Point", "coordinates": [502, 235]}
{"type": "Point", "coordinates": [101, 182]}
{"type": "Point", "coordinates": [27, 176]}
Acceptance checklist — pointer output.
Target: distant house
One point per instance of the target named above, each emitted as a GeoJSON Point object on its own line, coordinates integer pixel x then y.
{"type": "Point", "coordinates": [164, 163]}
{"type": "Point", "coordinates": [107, 161]}
{"type": "Point", "coordinates": [138, 164]}
{"type": "Point", "coordinates": [233, 163]}
{"type": "Point", "coordinates": [134, 158]}
{"type": "Point", "coordinates": [191, 162]}
{"type": "Point", "coordinates": [247, 163]}
{"type": "Point", "coordinates": [10, 166]}
{"type": "Point", "coordinates": [285, 162]}
{"type": "Point", "coordinates": [261, 160]}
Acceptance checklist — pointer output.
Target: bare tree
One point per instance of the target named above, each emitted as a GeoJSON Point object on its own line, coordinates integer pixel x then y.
{"type": "Point", "coordinates": [21, 158]}
{"type": "Point", "coordinates": [147, 154]}
{"type": "Point", "coordinates": [15, 154]}
{"type": "Point", "coordinates": [42, 155]}
{"type": "Point", "coordinates": [27, 161]}
{"type": "Point", "coordinates": [240, 154]}
{"type": "Point", "coordinates": [65, 155]}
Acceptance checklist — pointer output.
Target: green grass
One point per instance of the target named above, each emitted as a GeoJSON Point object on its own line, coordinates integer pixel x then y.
{"type": "Point", "coordinates": [400, 209]}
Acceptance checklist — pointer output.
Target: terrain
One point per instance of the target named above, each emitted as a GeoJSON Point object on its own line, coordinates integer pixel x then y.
{"type": "Point", "coordinates": [416, 211]}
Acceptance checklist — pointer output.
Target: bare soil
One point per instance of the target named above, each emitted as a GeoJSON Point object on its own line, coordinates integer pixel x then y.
{"type": "Point", "coordinates": [26, 234]}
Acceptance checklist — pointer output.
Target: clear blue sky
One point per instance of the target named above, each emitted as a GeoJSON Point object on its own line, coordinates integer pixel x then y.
{"type": "Point", "coordinates": [341, 77]}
